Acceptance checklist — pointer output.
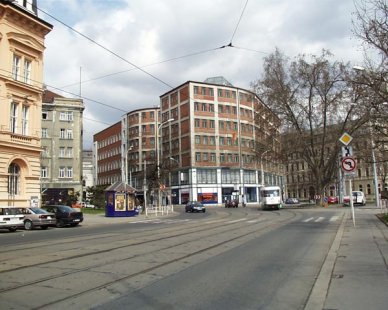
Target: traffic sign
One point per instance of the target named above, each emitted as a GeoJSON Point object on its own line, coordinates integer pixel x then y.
{"type": "Point", "coordinates": [347, 151]}
{"type": "Point", "coordinates": [348, 164]}
{"type": "Point", "coordinates": [346, 138]}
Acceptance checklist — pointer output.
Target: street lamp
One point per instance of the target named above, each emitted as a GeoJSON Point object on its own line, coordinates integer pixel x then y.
{"type": "Point", "coordinates": [157, 153]}
{"type": "Point", "coordinates": [126, 167]}
{"type": "Point", "coordinates": [261, 166]}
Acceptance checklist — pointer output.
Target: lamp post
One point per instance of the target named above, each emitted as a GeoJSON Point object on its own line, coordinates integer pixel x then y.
{"type": "Point", "coordinates": [261, 166]}
{"type": "Point", "coordinates": [126, 167]}
{"type": "Point", "coordinates": [158, 155]}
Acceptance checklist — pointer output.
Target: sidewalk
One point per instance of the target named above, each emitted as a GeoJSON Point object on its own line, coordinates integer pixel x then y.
{"type": "Point", "coordinates": [101, 219]}
{"type": "Point", "coordinates": [359, 279]}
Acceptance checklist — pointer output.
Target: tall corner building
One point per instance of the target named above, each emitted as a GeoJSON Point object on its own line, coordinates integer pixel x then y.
{"type": "Point", "coordinates": [22, 35]}
{"type": "Point", "coordinates": [222, 139]}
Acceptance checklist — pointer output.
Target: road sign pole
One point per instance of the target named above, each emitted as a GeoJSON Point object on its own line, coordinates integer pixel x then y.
{"type": "Point", "coordinates": [351, 202]}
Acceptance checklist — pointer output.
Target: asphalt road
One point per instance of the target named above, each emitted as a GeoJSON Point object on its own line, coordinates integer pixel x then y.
{"type": "Point", "coordinates": [224, 259]}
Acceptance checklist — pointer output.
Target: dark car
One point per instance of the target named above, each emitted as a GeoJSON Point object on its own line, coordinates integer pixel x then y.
{"type": "Point", "coordinates": [195, 206]}
{"type": "Point", "coordinates": [34, 217]}
{"type": "Point", "coordinates": [231, 203]}
{"type": "Point", "coordinates": [65, 215]}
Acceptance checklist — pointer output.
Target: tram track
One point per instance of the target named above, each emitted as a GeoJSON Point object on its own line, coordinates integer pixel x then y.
{"type": "Point", "coordinates": [213, 231]}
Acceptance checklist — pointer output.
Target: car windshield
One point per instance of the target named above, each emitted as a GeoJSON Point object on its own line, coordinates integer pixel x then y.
{"type": "Point", "coordinates": [38, 211]}
{"type": "Point", "coordinates": [10, 211]}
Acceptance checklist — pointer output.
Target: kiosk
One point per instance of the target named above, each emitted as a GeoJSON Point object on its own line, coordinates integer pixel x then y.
{"type": "Point", "coordinates": [120, 200]}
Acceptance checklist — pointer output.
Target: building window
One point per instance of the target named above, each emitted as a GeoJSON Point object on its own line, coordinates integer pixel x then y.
{"type": "Point", "coordinates": [219, 91]}
{"type": "Point", "coordinates": [205, 140]}
{"type": "Point", "coordinates": [44, 133]}
{"type": "Point", "coordinates": [211, 123]}
{"type": "Point", "coordinates": [205, 156]}
{"type": "Point", "coordinates": [212, 140]}
{"type": "Point", "coordinates": [69, 172]}
{"type": "Point", "coordinates": [61, 152]}
{"type": "Point", "coordinates": [197, 139]}
{"type": "Point", "coordinates": [220, 108]}
{"type": "Point", "coordinates": [197, 157]}
{"type": "Point", "coordinates": [204, 107]}
{"type": "Point", "coordinates": [61, 172]}
{"type": "Point", "coordinates": [44, 172]}
{"type": "Point", "coordinates": [152, 115]}
{"type": "Point", "coordinates": [69, 134]}
{"type": "Point", "coordinates": [203, 91]}
{"type": "Point", "coordinates": [16, 67]}
{"type": "Point", "coordinates": [13, 179]}
{"type": "Point", "coordinates": [213, 157]}
{"type": "Point", "coordinates": [196, 106]}
{"type": "Point", "coordinates": [204, 123]}
{"type": "Point", "coordinates": [27, 71]}
{"type": "Point", "coordinates": [197, 123]}
{"type": "Point", "coordinates": [44, 115]}
{"type": "Point", "coordinates": [66, 116]}
{"type": "Point", "coordinates": [211, 92]}
{"type": "Point", "coordinates": [211, 107]}
{"type": "Point", "coordinates": [13, 117]}
{"type": "Point", "coordinates": [195, 90]}
{"type": "Point", "coordinates": [62, 133]}
{"type": "Point", "coordinates": [222, 140]}
{"type": "Point", "coordinates": [25, 110]}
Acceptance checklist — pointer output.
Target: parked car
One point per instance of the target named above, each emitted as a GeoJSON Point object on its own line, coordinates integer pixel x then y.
{"type": "Point", "coordinates": [291, 201]}
{"type": "Point", "coordinates": [11, 218]}
{"type": "Point", "coordinates": [358, 198]}
{"type": "Point", "coordinates": [195, 206]}
{"type": "Point", "coordinates": [65, 215]}
{"type": "Point", "coordinates": [332, 199]}
{"type": "Point", "coordinates": [37, 217]}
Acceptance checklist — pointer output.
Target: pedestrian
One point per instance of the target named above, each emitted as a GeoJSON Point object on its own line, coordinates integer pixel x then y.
{"type": "Point", "coordinates": [244, 201]}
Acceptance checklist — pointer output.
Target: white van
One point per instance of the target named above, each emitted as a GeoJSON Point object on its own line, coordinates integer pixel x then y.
{"type": "Point", "coordinates": [11, 218]}
{"type": "Point", "coordinates": [358, 198]}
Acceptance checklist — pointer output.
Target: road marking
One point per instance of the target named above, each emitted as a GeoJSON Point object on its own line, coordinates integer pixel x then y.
{"type": "Point", "coordinates": [333, 218]}
{"type": "Point", "coordinates": [308, 220]}
{"type": "Point", "coordinates": [319, 219]}
{"type": "Point", "coordinates": [235, 221]}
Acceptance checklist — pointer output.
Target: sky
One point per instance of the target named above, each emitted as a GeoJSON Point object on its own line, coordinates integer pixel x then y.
{"type": "Point", "coordinates": [121, 55]}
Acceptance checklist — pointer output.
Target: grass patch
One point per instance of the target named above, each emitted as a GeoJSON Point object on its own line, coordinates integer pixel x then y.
{"type": "Point", "coordinates": [93, 211]}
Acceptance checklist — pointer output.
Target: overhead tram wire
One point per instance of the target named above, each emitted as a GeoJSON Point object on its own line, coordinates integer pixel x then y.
{"type": "Point", "coordinates": [105, 48]}
{"type": "Point", "coordinates": [153, 64]}
{"type": "Point", "coordinates": [238, 23]}
{"type": "Point", "coordinates": [75, 95]}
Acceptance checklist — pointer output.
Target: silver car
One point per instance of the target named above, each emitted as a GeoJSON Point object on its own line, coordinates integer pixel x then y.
{"type": "Point", "coordinates": [37, 217]}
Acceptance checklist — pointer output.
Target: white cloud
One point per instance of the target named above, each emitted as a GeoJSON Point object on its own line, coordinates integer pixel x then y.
{"type": "Point", "coordinates": [146, 32]}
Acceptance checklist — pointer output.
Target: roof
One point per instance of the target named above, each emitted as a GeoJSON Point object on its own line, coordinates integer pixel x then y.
{"type": "Point", "coordinates": [120, 187]}
{"type": "Point", "coordinates": [49, 96]}
{"type": "Point", "coordinates": [218, 80]}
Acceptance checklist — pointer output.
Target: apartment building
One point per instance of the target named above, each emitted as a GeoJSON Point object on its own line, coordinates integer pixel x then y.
{"type": "Point", "coordinates": [218, 135]}
{"type": "Point", "coordinates": [107, 151]}
{"type": "Point", "coordinates": [62, 135]}
{"type": "Point", "coordinates": [22, 35]}
{"type": "Point", "coordinates": [207, 138]}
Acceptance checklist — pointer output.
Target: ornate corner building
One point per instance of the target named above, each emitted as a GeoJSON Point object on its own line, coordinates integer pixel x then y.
{"type": "Point", "coordinates": [22, 35]}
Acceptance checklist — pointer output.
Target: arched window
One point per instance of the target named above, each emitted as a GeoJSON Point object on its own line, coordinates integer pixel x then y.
{"type": "Point", "coordinates": [14, 179]}
{"type": "Point", "coordinates": [368, 189]}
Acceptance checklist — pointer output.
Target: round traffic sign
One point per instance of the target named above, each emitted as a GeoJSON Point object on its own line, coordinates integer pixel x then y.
{"type": "Point", "coordinates": [348, 164]}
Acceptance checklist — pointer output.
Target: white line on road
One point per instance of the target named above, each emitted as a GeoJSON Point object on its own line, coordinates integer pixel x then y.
{"type": "Point", "coordinates": [308, 220]}
{"type": "Point", "coordinates": [333, 218]}
{"type": "Point", "coordinates": [319, 219]}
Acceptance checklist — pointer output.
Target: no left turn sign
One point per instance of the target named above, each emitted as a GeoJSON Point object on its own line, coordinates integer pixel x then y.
{"type": "Point", "coordinates": [348, 164]}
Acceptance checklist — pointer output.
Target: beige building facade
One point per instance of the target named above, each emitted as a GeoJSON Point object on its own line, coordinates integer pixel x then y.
{"type": "Point", "coordinates": [22, 35]}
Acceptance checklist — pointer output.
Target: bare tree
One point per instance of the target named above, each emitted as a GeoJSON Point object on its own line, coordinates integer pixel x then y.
{"type": "Point", "coordinates": [370, 25]}
{"type": "Point", "coordinates": [316, 103]}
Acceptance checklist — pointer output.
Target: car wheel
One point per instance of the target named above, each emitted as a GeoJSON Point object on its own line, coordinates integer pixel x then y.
{"type": "Point", "coordinates": [74, 224]}
{"type": "Point", "coordinates": [12, 229]}
{"type": "Point", "coordinates": [28, 225]}
{"type": "Point", "coordinates": [44, 227]}
{"type": "Point", "coordinates": [203, 211]}
{"type": "Point", "coordinates": [60, 223]}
